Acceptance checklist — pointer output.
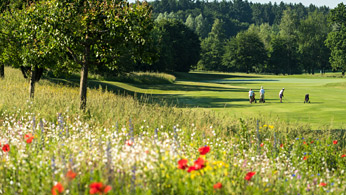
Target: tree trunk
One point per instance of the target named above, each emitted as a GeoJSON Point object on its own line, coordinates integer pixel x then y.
{"type": "Point", "coordinates": [343, 73]}
{"type": "Point", "coordinates": [84, 79]}
{"type": "Point", "coordinates": [2, 71]}
{"type": "Point", "coordinates": [32, 82]}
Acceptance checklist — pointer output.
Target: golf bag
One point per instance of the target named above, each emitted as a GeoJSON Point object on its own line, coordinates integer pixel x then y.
{"type": "Point", "coordinates": [307, 99]}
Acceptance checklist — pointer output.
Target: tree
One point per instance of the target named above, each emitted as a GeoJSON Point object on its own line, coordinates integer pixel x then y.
{"type": "Point", "coordinates": [201, 26]}
{"type": "Point", "coordinates": [213, 48]}
{"type": "Point", "coordinates": [289, 31]}
{"type": "Point", "coordinates": [190, 22]}
{"type": "Point", "coordinates": [179, 47]}
{"type": "Point", "coordinates": [277, 62]}
{"type": "Point", "coordinates": [312, 33]}
{"type": "Point", "coordinates": [336, 40]}
{"type": "Point", "coordinates": [245, 53]}
{"type": "Point", "coordinates": [26, 44]}
{"type": "Point", "coordinates": [96, 33]}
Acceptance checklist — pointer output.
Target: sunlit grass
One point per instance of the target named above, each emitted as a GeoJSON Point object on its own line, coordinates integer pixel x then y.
{"type": "Point", "coordinates": [133, 145]}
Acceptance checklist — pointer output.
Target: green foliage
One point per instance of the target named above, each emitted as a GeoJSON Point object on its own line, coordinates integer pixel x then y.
{"type": "Point", "coordinates": [336, 40]}
{"type": "Point", "coordinates": [179, 47]}
{"type": "Point", "coordinates": [312, 33]}
{"type": "Point", "coordinates": [213, 48]}
{"type": "Point", "coordinates": [246, 53]}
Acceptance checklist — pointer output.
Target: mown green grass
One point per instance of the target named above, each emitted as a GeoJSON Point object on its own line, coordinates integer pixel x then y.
{"type": "Point", "coordinates": [228, 93]}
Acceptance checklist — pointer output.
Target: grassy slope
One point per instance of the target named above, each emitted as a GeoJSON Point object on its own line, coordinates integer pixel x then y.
{"type": "Point", "coordinates": [228, 93]}
{"type": "Point", "coordinates": [225, 93]}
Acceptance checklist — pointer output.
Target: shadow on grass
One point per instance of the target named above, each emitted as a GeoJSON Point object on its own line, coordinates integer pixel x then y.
{"type": "Point", "coordinates": [181, 87]}
{"type": "Point", "coordinates": [178, 100]}
{"type": "Point", "coordinates": [195, 76]}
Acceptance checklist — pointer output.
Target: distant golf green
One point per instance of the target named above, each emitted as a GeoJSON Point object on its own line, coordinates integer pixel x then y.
{"type": "Point", "coordinates": [228, 93]}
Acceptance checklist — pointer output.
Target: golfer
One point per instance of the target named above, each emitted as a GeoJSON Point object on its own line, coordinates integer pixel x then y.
{"type": "Point", "coordinates": [251, 94]}
{"type": "Point", "coordinates": [281, 94]}
{"type": "Point", "coordinates": [261, 95]}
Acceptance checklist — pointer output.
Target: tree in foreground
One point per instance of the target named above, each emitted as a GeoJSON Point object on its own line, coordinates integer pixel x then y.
{"type": "Point", "coordinates": [336, 40]}
{"type": "Point", "coordinates": [25, 42]}
{"type": "Point", "coordinates": [96, 33]}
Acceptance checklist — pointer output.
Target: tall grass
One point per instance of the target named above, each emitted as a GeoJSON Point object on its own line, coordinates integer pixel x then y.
{"type": "Point", "coordinates": [134, 145]}
{"type": "Point", "coordinates": [106, 108]}
{"type": "Point", "coordinates": [147, 78]}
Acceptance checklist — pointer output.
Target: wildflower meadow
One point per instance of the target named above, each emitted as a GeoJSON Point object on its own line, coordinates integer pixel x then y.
{"type": "Point", "coordinates": [130, 146]}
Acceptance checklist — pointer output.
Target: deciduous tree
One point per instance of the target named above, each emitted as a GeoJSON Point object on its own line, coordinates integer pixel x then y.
{"type": "Point", "coordinates": [336, 40]}
{"type": "Point", "coordinates": [97, 33]}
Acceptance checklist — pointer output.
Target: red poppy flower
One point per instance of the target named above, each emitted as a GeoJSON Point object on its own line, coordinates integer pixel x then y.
{"type": "Point", "coordinates": [344, 155]}
{"type": "Point", "coordinates": [57, 189]}
{"type": "Point", "coordinates": [322, 184]}
{"type": "Point", "coordinates": [129, 142]}
{"type": "Point", "coordinates": [99, 188]}
{"type": "Point", "coordinates": [204, 150]}
{"type": "Point", "coordinates": [217, 185]}
{"type": "Point", "coordinates": [281, 145]}
{"type": "Point", "coordinates": [182, 164]}
{"type": "Point", "coordinates": [305, 157]}
{"type": "Point", "coordinates": [6, 148]}
{"type": "Point", "coordinates": [249, 175]}
{"type": "Point", "coordinates": [199, 163]}
{"type": "Point", "coordinates": [304, 142]}
{"type": "Point", "coordinates": [312, 142]}
{"type": "Point", "coordinates": [71, 175]}
{"type": "Point", "coordinates": [191, 168]}
{"type": "Point", "coordinates": [262, 144]}
{"type": "Point", "coordinates": [28, 138]}
{"type": "Point", "coordinates": [335, 142]}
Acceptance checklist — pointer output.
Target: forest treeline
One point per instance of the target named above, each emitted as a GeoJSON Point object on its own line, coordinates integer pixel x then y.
{"type": "Point", "coordinates": [111, 37]}
{"type": "Point", "coordinates": [251, 37]}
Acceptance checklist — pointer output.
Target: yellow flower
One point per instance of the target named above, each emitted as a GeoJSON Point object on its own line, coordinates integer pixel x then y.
{"type": "Point", "coordinates": [265, 125]}
{"type": "Point", "coordinates": [271, 126]}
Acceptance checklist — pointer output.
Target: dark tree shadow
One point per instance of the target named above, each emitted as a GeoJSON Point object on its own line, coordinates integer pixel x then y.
{"type": "Point", "coordinates": [178, 100]}
{"type": "Point", "coordinates": [195, 76]}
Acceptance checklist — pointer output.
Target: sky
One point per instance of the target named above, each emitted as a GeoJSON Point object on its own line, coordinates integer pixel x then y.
{"type": "Point", "coordinates": [329, 3]}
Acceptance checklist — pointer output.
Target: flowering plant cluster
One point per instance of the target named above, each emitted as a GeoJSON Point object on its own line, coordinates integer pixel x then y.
{"type": "Point", "coordinates": [72, 157]}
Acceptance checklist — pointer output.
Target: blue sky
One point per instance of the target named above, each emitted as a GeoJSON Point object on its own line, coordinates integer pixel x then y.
{"type": "Point", "coordinates": [329, 3]}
